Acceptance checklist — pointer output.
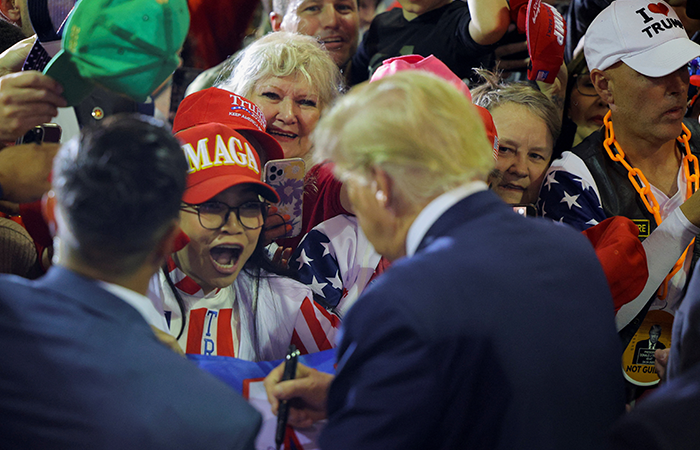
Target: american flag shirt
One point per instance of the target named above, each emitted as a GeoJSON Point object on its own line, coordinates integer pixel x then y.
{"type": "Point", "coordinates": [336, 261]}
{"type": "Point", "coordinates": [569, 194]}
{"type": "Point", "coordinates": [253, 319]}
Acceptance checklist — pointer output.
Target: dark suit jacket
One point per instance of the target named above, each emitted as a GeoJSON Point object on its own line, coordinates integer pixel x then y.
{"type": "Point", "coordinates": [80, 368]}
{"type": "Point", "coordinates": [685, 339]}
{"type": "Point", "coordinates": [665, 420]}
{"type": "Point", "coordinates": [497, 334]}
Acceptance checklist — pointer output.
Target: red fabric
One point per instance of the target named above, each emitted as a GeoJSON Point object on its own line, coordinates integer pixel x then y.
{"type": "Point", "coordinates": [622, 256]}
{"type": "Point", "coordinates": [194, 333]}
{"type": "Point", "coordinates": [321, 201]}
{"type": "Point", "coordinates": [307, 309]}
{"type": "Point", "coordinates": [518, 14]}
{"type": "Point", "coordinates": [545, 41]}
{"type": "Point", "coordinates": [181, 241]}
{"type": "Point", "coordinates": [35, 224]}
{"type": "Point", "coordinates": [224, 334]}
{"type": "Point", "coordinates": [298, 343]}
{"type": "Point", "coordinates": [217, 29]}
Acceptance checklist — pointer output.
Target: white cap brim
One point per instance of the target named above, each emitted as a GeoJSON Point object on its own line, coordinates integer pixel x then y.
{"type": "Point", "coordinates": [665, 58]}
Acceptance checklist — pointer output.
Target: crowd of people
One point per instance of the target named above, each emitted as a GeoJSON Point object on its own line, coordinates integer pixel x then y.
{"type": "Point", "coordinates": [493, 263]}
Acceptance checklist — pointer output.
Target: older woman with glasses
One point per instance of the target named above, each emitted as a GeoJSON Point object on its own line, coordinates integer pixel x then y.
{"type": "Point", "coordinates": [220, 293]}
{"type": "Point", "coordinates": [583, 105]}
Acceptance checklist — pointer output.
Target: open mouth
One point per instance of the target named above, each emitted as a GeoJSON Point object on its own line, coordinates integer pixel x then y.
{"type": "Point", "coordinates": [225, 257]}
{"type": "Point", "coordinates": [332, 41]}
{"type": "Point", "coordinates": [283, 134]}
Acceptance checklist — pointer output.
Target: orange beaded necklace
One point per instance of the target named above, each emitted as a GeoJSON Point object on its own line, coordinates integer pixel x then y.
{"type": "Point", "coordinates": [641, 185]}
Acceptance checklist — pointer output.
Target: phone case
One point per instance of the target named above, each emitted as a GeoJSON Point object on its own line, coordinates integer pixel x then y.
{"type": "Point", "coordinates": [286, 176]}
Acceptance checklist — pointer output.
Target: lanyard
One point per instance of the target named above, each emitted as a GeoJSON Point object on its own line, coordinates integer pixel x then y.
{"type": "Point", "coordinates": [641, 185]}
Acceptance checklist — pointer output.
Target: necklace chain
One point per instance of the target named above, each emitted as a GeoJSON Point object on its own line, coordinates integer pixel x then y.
{"type": "Point", "coordinates": [642, 186]}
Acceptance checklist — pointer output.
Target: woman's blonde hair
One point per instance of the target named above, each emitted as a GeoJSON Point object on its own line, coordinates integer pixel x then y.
{"type": "Point", "coordinates": [415, 126]}
{"type": "Point", "coordinates": [282, 54]}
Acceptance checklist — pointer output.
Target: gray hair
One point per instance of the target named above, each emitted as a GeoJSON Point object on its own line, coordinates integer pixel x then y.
{"type": "Point", "coordinates": [494, 93]}
{"type": "Point", "coordinates": [283, 54]}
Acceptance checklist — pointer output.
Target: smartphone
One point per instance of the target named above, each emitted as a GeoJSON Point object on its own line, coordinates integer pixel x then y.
{"type": "Point", "coordinates": [286, 176]}
{"type": "Point", "coordinates": [46, 132]}
{"type": "Point", "coordinates": [525, 209]}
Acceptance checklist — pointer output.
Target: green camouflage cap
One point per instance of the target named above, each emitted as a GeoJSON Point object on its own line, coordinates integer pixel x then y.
{"type": "Point", "coordinates": [127, 46]}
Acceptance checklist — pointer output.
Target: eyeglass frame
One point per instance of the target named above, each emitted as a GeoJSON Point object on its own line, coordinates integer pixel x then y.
{"type": "Point", "coordinates": [263, 211]}
{"type": "Point", "coordinates": [577, 76]}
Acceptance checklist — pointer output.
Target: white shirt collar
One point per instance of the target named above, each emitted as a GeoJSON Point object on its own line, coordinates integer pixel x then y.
{"type": "Point", "coordinates": [150, 312]}
{"type": "Point", "coordinates": [431, 213]}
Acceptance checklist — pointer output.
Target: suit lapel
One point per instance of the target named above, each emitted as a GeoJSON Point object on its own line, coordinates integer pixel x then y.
{"type": "Point", "coordinates": [462, 212]}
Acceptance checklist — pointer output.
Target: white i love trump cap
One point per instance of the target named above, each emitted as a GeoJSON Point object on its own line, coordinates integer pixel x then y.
{"type": "Point", "coordinates": [647, 36]}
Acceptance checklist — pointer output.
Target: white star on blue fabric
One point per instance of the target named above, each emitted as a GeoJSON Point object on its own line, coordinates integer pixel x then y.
{"type": "Point", "coordinates": [336, 282]}
{"type": "Point", "coordinates": [570, 199]}
{"type": "Point", "coordinates": [592, 222]}
{"type": "Point", "coordinates": [550, 180]}
{"type": "Point", "coordinates": [303, 259]}
{"type": "Point", "coordinates": [584, 184]}
{"type": "Point", "coordinates": [317, 287]}
{"type": "Point", "coordinates": [326, 248]}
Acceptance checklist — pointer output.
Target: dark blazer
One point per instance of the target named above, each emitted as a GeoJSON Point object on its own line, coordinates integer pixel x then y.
{"type": "Point", "coordinates": [80, 368]}
{"type": "Point", "coordinates": [665, 420]}
{"type": "Point", "coordinates": [497, 334]}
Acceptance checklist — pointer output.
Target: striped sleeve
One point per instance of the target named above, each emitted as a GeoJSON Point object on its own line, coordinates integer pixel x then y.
{"type": "Point", "coordinates": [315, 328]}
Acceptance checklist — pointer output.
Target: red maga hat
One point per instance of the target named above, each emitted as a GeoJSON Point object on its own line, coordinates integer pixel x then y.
{"type": "Point", "coordinates": [218, 159]}
{"type": "Point", "coordinates": [236, 112]}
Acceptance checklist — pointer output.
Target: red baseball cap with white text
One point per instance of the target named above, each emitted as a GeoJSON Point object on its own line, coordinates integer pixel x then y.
{"type": "Point", "coordinates": [218, 159]}
{"type": "Point", "coordinates": [224, 107]}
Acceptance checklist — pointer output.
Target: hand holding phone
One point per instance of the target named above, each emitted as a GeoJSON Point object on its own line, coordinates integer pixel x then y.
{"type": "Point", "coordinates": [286, 177]}
{"type": "Point", "coordinates": [46, 132]}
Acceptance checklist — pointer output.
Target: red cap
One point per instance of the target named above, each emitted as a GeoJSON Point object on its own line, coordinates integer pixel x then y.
{"type": "Point", "coordinates": [219, 158]}
{"type": "Point", "coordinates": [622, 256]}
{"type": "Point", "coordinates": [232, 110]}
{"type": "Point", "coordinates": [433, 65]}
{"type": "Point", "coordinates": [518, 14]}
{"type": "Point", "coordinates": [417, 62]}
{"type": "Point", "coordinates": [545, 41]}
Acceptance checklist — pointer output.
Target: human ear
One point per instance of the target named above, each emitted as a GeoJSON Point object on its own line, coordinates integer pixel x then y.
{"type": "Point", "coordinates": [276, 20]}
{"type": "Point", "coordinates": [603, 85]}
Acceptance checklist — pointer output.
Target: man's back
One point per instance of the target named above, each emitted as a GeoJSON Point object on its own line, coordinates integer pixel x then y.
{"type": "Point", "coordinates": [82, 369]}
{"type": "Point", "coordinates": [498, 333]}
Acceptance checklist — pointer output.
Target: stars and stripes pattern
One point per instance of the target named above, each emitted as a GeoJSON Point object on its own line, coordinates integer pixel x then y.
{"type": "Point", "coordinates": [336, 261]}
{"type": "Point", "coordinates": [569, 194]}
{"type": "Point", "coordinates": [285, 314]}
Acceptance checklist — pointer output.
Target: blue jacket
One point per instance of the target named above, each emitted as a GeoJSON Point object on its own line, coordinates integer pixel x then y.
{"type": "Point", "coordinates": [497, 334]}
{"type": "Point", "coordinates": [80, 368]}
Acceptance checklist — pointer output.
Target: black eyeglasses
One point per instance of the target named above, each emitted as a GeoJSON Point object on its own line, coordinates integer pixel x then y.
{"type": "Point", "coordinates": [584, 85]}
{"type": "Point", "coordinates": [213, 215]}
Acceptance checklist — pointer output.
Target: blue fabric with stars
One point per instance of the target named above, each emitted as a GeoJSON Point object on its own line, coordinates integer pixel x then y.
{"type": "Point", "coordinates": [570, 195]}
{"type": "Point", "coordinates": [318, 268]}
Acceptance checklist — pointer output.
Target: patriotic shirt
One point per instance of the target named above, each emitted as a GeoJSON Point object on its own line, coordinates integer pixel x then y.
{"type": "Point", "coordinates": [253, 319]}
{"type": "Point", "coordinates": [570, 195]}
{"type": "Point", "coordinates": [337, 262]}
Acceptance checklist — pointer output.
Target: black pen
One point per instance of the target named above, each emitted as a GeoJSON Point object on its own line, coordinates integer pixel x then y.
{"type": "Point", "coordinates": [290, 371]}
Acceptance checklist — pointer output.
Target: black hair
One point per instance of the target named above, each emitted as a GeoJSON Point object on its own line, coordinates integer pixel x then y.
{"type": "Point", "coordinates": [259, 265]}
{"type": "Point", "coordinates": [119, 189]}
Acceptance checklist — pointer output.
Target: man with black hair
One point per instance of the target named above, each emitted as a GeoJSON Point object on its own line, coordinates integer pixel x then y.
{"type": "Point", "coordinates": [82, 367]}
